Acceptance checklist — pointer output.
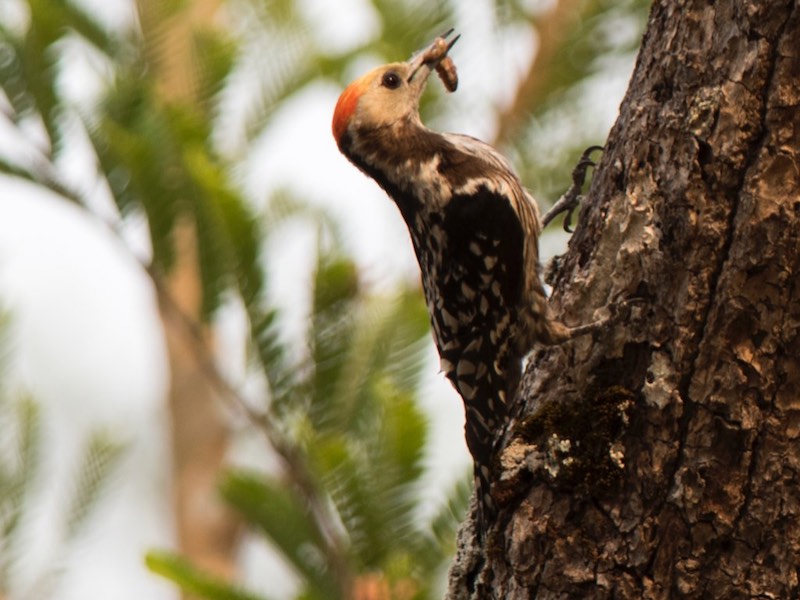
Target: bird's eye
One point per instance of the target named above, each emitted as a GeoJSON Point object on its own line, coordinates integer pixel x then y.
{"type": "Point", "coordinates": [390, 80]}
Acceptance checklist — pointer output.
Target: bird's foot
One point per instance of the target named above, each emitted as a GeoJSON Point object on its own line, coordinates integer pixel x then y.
{"type": "Point", "coordinates": [571, 199]}
{"type": "Point", "coordinates": [618, 312]}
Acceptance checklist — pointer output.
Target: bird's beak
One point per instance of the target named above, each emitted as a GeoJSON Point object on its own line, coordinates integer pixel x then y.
{"type": "Point", "coordinates": [424, 61]}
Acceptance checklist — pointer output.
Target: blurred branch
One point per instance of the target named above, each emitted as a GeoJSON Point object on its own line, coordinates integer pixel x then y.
{"type": "Point", "coordinates": [208, 530]}
{"type": "Point", "coordinates": [191, 579]}
{"type": "Point", "coordinates": [552, 30]}
{"type": "Point", "coordinates": [294, 468]}
{"type": "Point", "coordinates": [44, 175]}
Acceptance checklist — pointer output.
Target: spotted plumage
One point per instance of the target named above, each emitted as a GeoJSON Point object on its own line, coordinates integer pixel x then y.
{"type": "Point", "coordinates": [474, 230]}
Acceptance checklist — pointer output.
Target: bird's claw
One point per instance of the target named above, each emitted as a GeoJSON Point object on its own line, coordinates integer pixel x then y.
{"type": "Point", "coordinates": [624, 309]}
{"type": "Point", "coordinates": [571, 199]}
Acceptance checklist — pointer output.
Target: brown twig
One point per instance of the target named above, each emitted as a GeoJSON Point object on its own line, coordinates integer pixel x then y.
{"type": "Point", "coordinates": [552, 30]}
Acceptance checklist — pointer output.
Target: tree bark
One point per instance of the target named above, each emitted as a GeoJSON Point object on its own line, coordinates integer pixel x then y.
{"type": "Point", "coordinates": [659, 458]}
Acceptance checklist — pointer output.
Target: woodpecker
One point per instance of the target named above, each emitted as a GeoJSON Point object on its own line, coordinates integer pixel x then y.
{"type": "Point", "coordinates": [474, 230]}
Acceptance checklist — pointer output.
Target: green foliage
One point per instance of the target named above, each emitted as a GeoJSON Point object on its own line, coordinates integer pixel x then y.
{"type": "Point", "coordinates": [347, 501]}
{"type": "Point", "coordinates": [281, 513]}
{"type": "Point", "coordinates": [350, 435]}
{"type": "Point", "coordinates": [19, 424]}
{"type": "Point", "coordinates": [156, 154]}
{"type": "Point", "coordinates": [100, 458]}
{"type": "Point", "coordinates": [193, 580]}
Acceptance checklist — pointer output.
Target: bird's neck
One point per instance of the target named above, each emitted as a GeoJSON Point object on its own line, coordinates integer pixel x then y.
{"type": "Point", "coordinates": [400, 157]}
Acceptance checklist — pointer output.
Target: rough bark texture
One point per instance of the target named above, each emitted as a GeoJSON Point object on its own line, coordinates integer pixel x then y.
{"type": "Point", "coordinates": [660, 459]}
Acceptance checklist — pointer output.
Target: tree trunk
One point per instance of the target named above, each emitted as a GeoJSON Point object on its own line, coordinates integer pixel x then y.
{"type": "Point", "coordinates": [659, 458]}
{"type": "Point", "coordinates": [207, 530]}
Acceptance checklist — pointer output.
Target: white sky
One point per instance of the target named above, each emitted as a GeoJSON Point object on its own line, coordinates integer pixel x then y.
{"type": "Point", "coordinates": [87, 344]}
{"type": "Point", "coordinates": [87, 339]}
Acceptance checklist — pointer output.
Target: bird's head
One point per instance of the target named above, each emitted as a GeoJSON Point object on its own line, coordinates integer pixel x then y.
{"type": "Point", "coordinates": [388, 94]}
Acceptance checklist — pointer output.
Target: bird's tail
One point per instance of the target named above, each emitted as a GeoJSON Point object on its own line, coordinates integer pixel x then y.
{"type": "Point", "coordinates": [486, 416]}
{"type": "Point", "coordinates": [486, 507]}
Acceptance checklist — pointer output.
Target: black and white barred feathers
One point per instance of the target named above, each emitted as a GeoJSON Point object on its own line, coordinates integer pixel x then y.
{"type": "Point", "coordinates": [475, 231]}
